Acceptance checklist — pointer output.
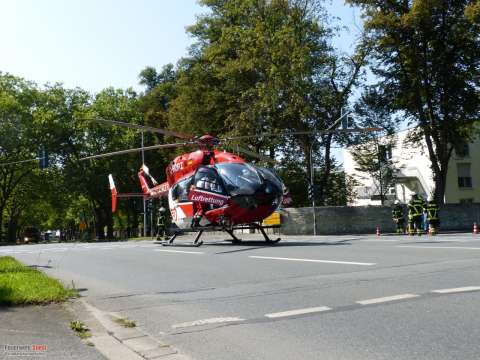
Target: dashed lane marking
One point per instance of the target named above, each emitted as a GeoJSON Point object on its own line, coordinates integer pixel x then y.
{"type": "Point", "coordinates": [456, 290]}
{"type": "Point", "coordinates": [313, 260]}
{"type": "Point", "coordinates": [180, 251]}
{"type": "Point", "coordinates": [380, 240]}
{"type": "Point", "coordinates": [387, 299]}
{"type": "Point", "coordinates": [439, 247]}
{"type": "Point", "coordinates": [219, 320]}
{"type": "Point", "coordinates": [298, 312]}
{"type": "Point", "coordinates": [63, 249]}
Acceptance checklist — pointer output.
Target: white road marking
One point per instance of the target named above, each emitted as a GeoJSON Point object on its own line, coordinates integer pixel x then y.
{"type": "Point", "coordinates": [207, 322]}
{"type": "Point", "coordinates": [456, 290]}
{"type": "Point", "coordinates": [313, 260]}
{"type": "Point", "coordinates": [383, 240]}
{"type": "Point", "coordinates": [439, 247]}
{"type": "Point", "coordinates": [298, 312]}
{"type": "Point", "coordinates": [180, 251]}
{"type": "Point", "coordinates": [387, 299]}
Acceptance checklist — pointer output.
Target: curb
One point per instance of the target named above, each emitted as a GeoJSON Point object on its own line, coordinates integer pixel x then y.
{"type": "Point", "coordinates": [116, 342]}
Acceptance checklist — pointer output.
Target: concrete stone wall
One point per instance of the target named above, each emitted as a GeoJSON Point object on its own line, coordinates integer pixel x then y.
{"type": "Point", "coordinates": [365, 219]}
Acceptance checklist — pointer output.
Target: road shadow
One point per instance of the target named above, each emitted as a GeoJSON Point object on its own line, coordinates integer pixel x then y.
{"type": "Point", "coordinates": [5, 296]}
{"type": "Point", "coordinates": [248, 245]}
{"type": "Point", "coordinates": [40, 266]}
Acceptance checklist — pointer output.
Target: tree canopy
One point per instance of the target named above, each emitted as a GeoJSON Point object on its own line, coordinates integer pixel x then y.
{"type": "Point", "coordinates": [426, 56]}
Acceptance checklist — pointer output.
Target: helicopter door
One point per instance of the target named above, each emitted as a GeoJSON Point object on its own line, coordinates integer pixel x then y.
{"type": "Point", "coordinates": [181, 207]}
{"type": "Point", "coordinates": [208, 188]}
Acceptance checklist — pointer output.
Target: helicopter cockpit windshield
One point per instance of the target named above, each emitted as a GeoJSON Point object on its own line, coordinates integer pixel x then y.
{"type": "Point", "coordinates": [239, 178]}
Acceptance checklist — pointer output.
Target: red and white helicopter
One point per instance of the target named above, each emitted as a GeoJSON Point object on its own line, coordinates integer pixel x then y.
{"type": "Point", "coordinates": [208, 189]}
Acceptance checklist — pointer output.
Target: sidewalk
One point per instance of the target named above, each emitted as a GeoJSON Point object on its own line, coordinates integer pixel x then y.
{"type": "Point", "coordinates": [41, 332]}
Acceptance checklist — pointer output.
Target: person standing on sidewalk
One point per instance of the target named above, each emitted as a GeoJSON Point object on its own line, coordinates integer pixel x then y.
{"type": "Point", "coordinates": [162, 223]}
{"type": "Point", "coordinates": [398, 218]}
{"type": "Point", "coordinates": [433, 219]}
{"type": "Point", "coordinates": [415, 214]}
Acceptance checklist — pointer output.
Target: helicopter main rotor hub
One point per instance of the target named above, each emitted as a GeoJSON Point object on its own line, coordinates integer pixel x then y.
{"type": "Point", "coordinates": [208, 141]}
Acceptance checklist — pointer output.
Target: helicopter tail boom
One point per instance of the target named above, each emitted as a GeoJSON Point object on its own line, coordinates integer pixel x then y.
{"type": "Point", "coordinates": [113, 189]}
{"type": "Point", "coordinates": [158, 190]}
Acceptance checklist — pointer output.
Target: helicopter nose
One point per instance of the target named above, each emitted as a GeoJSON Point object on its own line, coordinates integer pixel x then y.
{"type": "Point", "coordinates": [268, 194]}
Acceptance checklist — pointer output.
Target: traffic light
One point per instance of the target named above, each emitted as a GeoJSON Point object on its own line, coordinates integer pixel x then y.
{"type": "Point", "coordinates": [311, 191]}
{"type": "Point", "coordinates": [43, 158]}
{"type": "Point", "coordinates": [150, 205]}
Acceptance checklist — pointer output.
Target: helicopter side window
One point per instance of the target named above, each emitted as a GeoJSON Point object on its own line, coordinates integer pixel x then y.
{"type": "Point", "coordinates": [180, 190]}
{"type": "Point", "coordinates": [207, 179]}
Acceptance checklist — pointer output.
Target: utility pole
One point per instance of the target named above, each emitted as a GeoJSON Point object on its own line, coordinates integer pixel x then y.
{"type": "Point", "coordinates": [151, 218]}
{"type": "Point", "coordinates": [144, 201]}
{"type": "Point", "coordinates": [312, 168]}
{"type": "Point", "coordinates": [312, 184]}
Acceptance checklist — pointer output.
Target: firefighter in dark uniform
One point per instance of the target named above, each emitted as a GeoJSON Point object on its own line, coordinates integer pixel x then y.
{"type": "Point", "coordinates": [397, 216]}
{"type": "Point", "coordinates": [415, 214]}
{"type": "Point", "coordinates": [431, 209]}
{"type": "Point", "coordinates": [162, 223]}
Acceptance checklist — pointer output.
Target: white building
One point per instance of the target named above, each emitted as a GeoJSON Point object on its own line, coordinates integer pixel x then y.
{"type": "Point", "coordinates": [414, 174]}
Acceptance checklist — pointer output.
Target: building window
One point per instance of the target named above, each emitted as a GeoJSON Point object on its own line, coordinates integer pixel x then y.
{"type": "Point", "coordinates": [463, 150]}
{"type": "Point", "coordinates": [466, 201]}
{"type": "Point", "coordinates": [385, 152]}
{"type": "Point", "coordinates": [464, 177]}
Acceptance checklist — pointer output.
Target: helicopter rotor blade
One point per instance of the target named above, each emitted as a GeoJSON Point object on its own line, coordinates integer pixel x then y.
{"type": "Point", "coordinates": [310, 132]}
{"type": "Point", "coordinates": [253, 154]}
{"type": "Point", "coordinates": [128, 151]}
{"type": "Point", "coordinates": [145, 128]}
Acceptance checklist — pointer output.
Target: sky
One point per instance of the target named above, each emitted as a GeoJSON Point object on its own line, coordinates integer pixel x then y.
{"type": "Point", "coordinates": [94, 44]}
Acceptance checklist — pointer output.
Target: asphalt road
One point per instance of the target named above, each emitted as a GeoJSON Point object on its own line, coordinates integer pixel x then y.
{"type": "Point", "coordinates": [329, 297]}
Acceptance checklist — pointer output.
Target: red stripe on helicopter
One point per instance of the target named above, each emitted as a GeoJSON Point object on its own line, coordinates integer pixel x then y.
{"type": "Point", "coordinates": [187, 209]}
{"type": "Point", "coordinates": [159, 190]}
{"type": "Point", "coordinates": [207, 197]}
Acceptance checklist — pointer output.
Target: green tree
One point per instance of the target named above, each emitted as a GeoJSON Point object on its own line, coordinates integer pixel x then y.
{"type": "Point", "coordinates": [90, 178]}
{"type": "Point", "coordinates": [265, 67]}
{"type": "Point", "coordinates": [18, 100]}
{"type": "Point", "coordinates": [426, 55]}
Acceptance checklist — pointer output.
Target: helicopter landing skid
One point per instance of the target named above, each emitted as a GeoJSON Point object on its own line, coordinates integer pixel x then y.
{"type": "Point", "coordinates": [235, 240]}
{"type": "Point", "coordinates": [196, 242]}
{"type": "Point", "coordinates": [267, 239]}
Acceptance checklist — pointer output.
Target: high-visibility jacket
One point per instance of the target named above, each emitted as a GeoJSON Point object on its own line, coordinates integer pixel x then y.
{"type": "Point", "coordinates": [415, 208]}
{"type": "Point", "coordinates": [432, 210]}
{"type": "Point", "coordinates": [397, 212]}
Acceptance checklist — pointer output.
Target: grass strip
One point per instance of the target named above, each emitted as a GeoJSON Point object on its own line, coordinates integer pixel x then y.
{"type": "Point", "coordinates": [125, 322]}
{"type": "Point", "coordinates": [82, 331]}
{"type": "Point", "coordinates": [22, 285]}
